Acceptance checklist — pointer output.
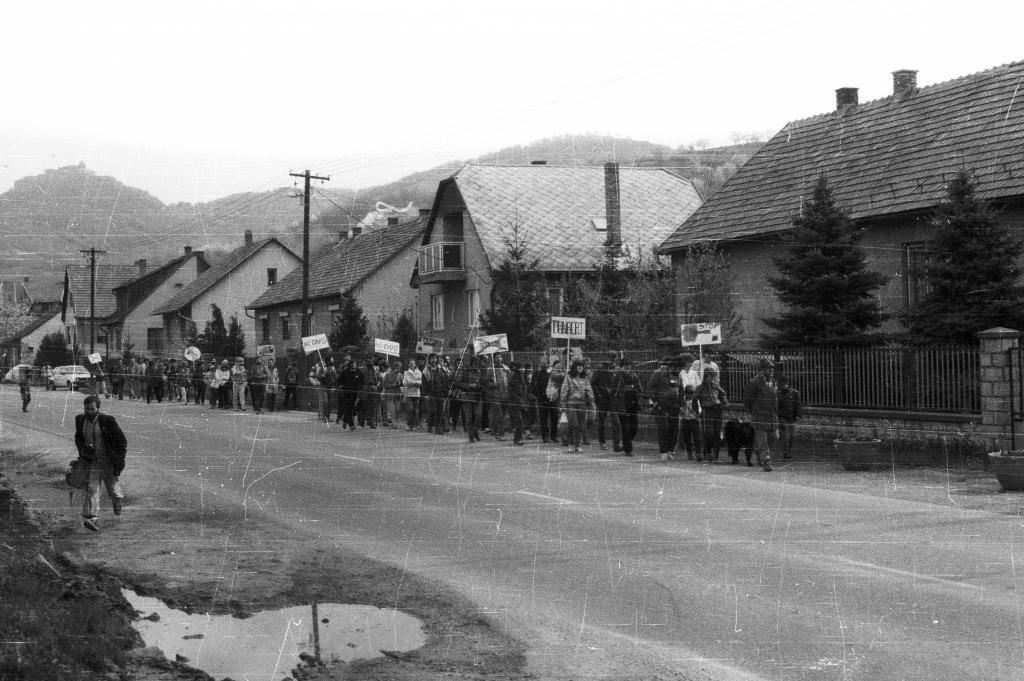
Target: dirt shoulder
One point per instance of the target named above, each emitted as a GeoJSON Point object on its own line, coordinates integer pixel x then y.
{"type": "Point", "coordinates": [214, 560]}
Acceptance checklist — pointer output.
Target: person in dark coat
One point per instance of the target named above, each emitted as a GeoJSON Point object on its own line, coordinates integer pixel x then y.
{"type": "Point", "coordinates": [102, 445]}
{"type": "Point", "coordinates": [625, 403]}
{"type": "Point", "coordinates": [761, 398]}
{"type": "Point", "coordinates": [664, 400]}
{"type": "Point", "coordinates": [467, 381]}
{"type": "Point", "coordinates": [350, 382]}
{"type": "Point", "coordinates": [517, 389]}
{"type": "Point", "coordinates": [547, 413]}
{"type": "Point", "coordinates": [602, 383]}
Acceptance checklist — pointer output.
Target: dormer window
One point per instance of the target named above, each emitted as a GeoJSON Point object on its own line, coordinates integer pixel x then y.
{"type": "Point", "coordinates": [271, 276]}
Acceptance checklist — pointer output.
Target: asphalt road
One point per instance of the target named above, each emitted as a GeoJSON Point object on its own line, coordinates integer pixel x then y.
{"type": "Point", "coordinates": [611, 567]}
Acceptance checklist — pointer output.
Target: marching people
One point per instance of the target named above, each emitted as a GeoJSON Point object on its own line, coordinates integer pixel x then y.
{"type": "Point", "coordinates": [184, 382]}
{"type": "Point", "coordinates": [412, 380]}
{"type": "Point", "coordinates": [577, 399]}
{"type": "Point", "coordinates": [468, 382]}
{"type": "Point", "coordinates": [328, 378]}
{"type": "Point", "coordinates": [761, 398]}
{"type": "Point", "coordinates": [198, 382]}
{"type": "Point", "coordinates": [102, 445]}
{"type": "Point", "coordinates": [711, 399]}
{"type": "Point", "coordinates": [625, 403]}
{"type": "Point", "coordinates": [664, 402]}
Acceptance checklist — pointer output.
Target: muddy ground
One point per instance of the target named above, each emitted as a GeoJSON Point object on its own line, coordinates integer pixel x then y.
{"type": "Point", "coordinates": [156, 549]}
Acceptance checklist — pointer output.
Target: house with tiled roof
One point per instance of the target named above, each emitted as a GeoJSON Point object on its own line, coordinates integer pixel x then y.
{"type": "Point", "coordinates": [125, 297]}
{"type": "Point", "coordinates": [888, 163]}
{"type": "Point", "coordinates": [372, 263]}
{"type": "Point", "coordinates": [40, 295]}
{"type": "Point", "coordinates": [567, 217]}
{"type": "Point", "coordinates": [231, 284]}
{"type": "Point", "coordinates": [21, 345]}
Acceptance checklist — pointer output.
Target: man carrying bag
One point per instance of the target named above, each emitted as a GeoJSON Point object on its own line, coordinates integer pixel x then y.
{"type": "Point", "coordinates": [101, 451]}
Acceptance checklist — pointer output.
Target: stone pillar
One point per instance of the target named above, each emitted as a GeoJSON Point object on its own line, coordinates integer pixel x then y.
{"type": "Point", "coordinates": [997, 387]}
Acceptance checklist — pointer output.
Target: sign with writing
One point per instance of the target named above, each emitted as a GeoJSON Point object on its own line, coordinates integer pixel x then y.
{"type": "Point", "coordinates": [265, 351]}
{"type": "Point", "coordinates": [704, 333]}
{"type": "Point", "coordinates": [95, 358]}
{"type": "Point", "coordinates": [314, 343]}
{"type": "Point", "coordinates": [386, 347]}
{"type": "Point", "coordinates": [426, 345]}
{"type": "Point", "coordinates": [488, 345]}
{"type": "Point", "coordinates": [558, 354]}
{"type": "Point", "coordinates": [192, 353]}
{"type": "Point", "coordinates": [569, 327]}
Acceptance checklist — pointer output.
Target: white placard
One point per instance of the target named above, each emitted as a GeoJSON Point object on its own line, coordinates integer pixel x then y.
{"type": "Point", "coordinates": [314, 343]}
{"type": "Point", "coordinates": [95, 358]}
{"type": "Point", "coordinates": [266, 351]}
{"type": "Point", "coordinates": [574, 328]}
{"type": "Point", "coordinates": [488, 345]}
{"type": "Point", "coordinates": [386, 347]}
{"type": "Point", "coordinates": [192, 353]}
{"type": "Point", "coordinates": [425, 345]}
{"type": "Point", "coordinates": [703, 333]}
{"type": "Point", "coordinates": [575, 352]}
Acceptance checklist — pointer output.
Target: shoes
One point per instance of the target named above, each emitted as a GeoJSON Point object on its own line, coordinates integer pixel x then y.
{"type": "Point", "coordinates": [90, 524]}
{"type": "Point", "coordinates": [115, 502]}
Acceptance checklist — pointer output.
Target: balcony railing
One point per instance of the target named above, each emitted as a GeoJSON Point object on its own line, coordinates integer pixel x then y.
{"type": "Point", "coordinates": [443, 256]}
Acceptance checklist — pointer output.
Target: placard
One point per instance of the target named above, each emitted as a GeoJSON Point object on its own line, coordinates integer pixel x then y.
{"type": "Point", "coordinates": [386, 347]}
{"type": "Point", "coordinates": [488, 345]}
{"type": "Point", "coordinates": [426, 345]}
{"type": "Point", "coordinates": [266, 351]}
{"type": "Point", "coordinates": [573, 328]}
{"type": "Point", "coordinates": [575, 352]}
{"type": "Point", "coordinates": [192, 353]}
{"type": "Point", "coordinates": [95, 358]}
{"type": "Point", "coordinates": [314, 343]}
{"type": "Point", "coordinates": [703, 333]}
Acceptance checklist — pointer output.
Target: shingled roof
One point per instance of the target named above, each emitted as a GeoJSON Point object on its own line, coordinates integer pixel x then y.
{"type": "Point", "coordinates": [557, 207]}
{"type": "Point", "coordinates": [108, 277]}
{"type": "Point", "coordinates": [342, 266]}
{"type": "Point", "coordinates": [37, 321]}
{"type": "Point", "coordinates": [893, 155]}
{"type": "Point", "coordinates": [217, 271]}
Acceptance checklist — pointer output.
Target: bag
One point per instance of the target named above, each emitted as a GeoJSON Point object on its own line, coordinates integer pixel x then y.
{"type": "Point", "coordinates": [77, 475]}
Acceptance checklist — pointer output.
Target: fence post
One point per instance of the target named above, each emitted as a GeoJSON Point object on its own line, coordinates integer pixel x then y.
{"type": "Point", "coordinates": [996, 385]}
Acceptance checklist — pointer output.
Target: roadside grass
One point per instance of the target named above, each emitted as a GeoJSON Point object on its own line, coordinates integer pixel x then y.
{"type": "Point", "coordinates": [53, 628]}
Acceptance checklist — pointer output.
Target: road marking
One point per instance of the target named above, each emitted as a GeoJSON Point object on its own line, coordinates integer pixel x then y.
{"type": "Point", "coordinates": [354, 458]}
{"type": "Point", "coordinates": [896, 572]}
{"type": "Point", "coordinates": [545, 496]}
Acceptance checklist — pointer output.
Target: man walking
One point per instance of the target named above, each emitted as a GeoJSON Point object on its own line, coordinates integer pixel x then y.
{"type": "Point", "coordinates": [761, 399]}
{"type": "Point", "coordinates": [102, 444]}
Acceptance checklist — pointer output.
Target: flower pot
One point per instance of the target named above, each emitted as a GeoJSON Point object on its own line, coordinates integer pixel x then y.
{"type": "Point", "coordinates": [1008, 468]}
{"type": "Point", "coordinates": [857, 455]}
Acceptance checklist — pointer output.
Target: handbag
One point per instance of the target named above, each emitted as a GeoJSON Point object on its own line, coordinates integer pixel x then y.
{"type": "Point", "coordinates": [77, 474]}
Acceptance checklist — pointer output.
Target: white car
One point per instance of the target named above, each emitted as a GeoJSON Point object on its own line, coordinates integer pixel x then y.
{"type": "Point", "coordinates": [69, 376]}
{"type": "Point", "coordinates": [16, 372]}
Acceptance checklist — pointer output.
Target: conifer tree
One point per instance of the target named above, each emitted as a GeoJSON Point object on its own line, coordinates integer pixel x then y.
{"type": "Point", "coordinates": [234, 343]}
{"type": "Point", "coordinates": [518, 300]}
{"type": "Point", "coordinates": [971, 274]}
{"type": "Point", "coordinates": [404, 333]}
{"type": "Point", "coordinates": [351, 326]}
{"type": "Point", "coordinates": [824, 280]}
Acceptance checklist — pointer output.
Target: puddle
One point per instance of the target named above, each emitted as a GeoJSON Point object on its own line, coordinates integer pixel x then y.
{"type": "Point", "coordinates": [266, 646]}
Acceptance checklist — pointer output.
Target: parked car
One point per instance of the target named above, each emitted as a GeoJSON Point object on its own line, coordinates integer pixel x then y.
{"type": "Point", "coordinates": [69, 376]}
{"type": "Point", "coordinates": [16, 372]}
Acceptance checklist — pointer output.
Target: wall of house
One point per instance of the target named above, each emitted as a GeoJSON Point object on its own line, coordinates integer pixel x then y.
{"type": "Point", "coordinates": [137, 323]}
{"type": "Point", "coordinates": [232, 293]}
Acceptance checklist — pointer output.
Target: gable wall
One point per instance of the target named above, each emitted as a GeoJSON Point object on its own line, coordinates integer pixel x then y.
{"type": "Point", "coordinates": [140, 319]}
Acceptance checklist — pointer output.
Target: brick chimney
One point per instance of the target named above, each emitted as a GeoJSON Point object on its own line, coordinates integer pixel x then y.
{"type": "Point", "coordinates": [141, 264]}
{"type": "Point", "coordinates": [613, 207]}
{"type": "Point", "coordinates": [188, 250]}
{"type": "Point", "coordinates": [904, 82]}
{"type": "Point", "coordinates": [846, 98]}
{"type": "Point", "coordinates": [248, 237]}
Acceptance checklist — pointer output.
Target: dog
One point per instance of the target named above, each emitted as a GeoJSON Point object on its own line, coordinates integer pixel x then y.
{"type": "Point", "coordinates": [739, 435]}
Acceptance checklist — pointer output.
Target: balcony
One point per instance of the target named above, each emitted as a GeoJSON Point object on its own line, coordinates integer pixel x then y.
{"type": "Point", "coordinates": [441, 261]}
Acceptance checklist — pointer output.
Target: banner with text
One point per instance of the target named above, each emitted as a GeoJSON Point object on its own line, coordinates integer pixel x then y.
{"type": "Point", "coordinates": [314, 343]}
{"type": "Point", "coordinates": [573, 328]}
{"type": "Point", "coordinates": [425, 345]}
{"type": "Point", "coordinates": [95, 358]}
{"type": "Point", "coordinates": [488, 345]}
{"type": "Point", "coordinates": [704, 333]}
{"type": "Point", "coordinates": [386, 347]}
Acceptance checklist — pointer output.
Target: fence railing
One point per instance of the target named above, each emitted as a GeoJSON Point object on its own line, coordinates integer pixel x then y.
{"type": "Point", "coordinates": [940, 378]}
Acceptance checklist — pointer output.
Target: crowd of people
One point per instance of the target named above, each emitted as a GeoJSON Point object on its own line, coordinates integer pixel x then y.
{"type": "Point", "coordinates": [481, 394]}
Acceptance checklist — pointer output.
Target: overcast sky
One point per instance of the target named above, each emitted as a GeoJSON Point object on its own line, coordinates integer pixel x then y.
{"type": "Point", "coordinates": [196, 100]}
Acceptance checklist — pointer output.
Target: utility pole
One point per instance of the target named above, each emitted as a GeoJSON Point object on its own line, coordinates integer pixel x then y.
{"type": "Point", "coordinates": [92, 296]}
{"type": "Point", "coordinates": [305, 260]}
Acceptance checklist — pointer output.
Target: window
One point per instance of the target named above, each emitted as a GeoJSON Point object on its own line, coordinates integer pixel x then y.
{"type": "Point", "coordinates": [286, 332]}
{"type": "Point", "coordinates": [265, 330]}
{"type": "Point", "coordinates": [271, 276]}
{"type": "Point", "coordinates": [917, 257]}
{"type": "Point", "coordinates": [437, 312]}
{"type": "Point", "coordinates": [555, 295]}
{"type": "Point", "coordinates": [472, 308]}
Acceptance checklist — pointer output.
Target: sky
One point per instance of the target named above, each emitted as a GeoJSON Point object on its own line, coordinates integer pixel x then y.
{"type": "Point", "coordinates": [192, 101]}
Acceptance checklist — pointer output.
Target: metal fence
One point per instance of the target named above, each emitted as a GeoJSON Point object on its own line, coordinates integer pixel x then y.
{"type": "Point", "coordinates": [940, 378]}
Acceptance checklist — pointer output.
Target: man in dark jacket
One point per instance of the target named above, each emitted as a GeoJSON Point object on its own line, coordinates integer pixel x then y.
{"type": "Point", "coordinates": [602, 383]}
{"type": "Point", "coordinates": [625, 403]}
{"type": "Point", "coordinates": [664, 399]}
{"type": "Point", "coordinates": [102, 445]}
{"type": "Point", "coordinates": [761, 399]}
{"type": "Point", "coordinates": [547, 415]}
{"type": "Point", "coordinates": [517, 388]}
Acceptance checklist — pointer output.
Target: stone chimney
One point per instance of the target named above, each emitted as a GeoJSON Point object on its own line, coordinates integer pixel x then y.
{"type": "Point", "coordinates": [392, 222]}
{"type": "Point", "coordinates": [248, 237]}
{"type": "Point", "coordinates": [904, 82]}
{"type": "Point", "coordinates": [188, 250]}
{"type": "Point", "coordinates": [141, 264]}
{"type": "Point", "coordinates": [846, 98]}
{"type": "Point", "coordinates": [613, 207]}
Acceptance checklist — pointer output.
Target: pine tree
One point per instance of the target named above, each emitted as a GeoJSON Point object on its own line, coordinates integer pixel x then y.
{"type": "Point", "coordinates": [824, 280]}
{"type": "Point", "coordinates": [214, 335]}
{"type": "Point", "coordinates": [53, 350]}
{"type": "Point", "coordinates": [404, 333]}
{"type": "Point", "coordinates": [972, 272]}
{"type": "Point", "coordinates": [351, 325]}
{"type": "Point", "coordinates": [234, 343]}
{"type": "Point", "coordinates": [518, 299]}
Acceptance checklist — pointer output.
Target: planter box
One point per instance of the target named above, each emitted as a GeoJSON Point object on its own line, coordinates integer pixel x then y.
{"type": "Point", "coordinates": [857, 455]}
{"type": "Point", "coordinates": [1009, 470]}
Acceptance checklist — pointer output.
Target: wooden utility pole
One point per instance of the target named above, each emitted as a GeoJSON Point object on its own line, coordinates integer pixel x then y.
{"type": "Point", "coordinates": [305, 261]}
{"type": "Point", "coordinates": [92, 297]}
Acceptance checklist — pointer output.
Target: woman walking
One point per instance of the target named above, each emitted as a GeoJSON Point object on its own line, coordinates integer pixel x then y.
{"type": "Point", "coordinates": [577, 399]}
{"type": "Point", "coordinates": [411, 382]}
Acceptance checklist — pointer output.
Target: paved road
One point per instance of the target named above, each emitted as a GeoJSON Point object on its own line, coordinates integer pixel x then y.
{"type": "Point", "coordinates": [619, 565]}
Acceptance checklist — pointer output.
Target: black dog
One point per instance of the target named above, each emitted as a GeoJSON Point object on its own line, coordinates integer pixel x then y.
{"type": "Point", "coordinates": [739, 435]}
